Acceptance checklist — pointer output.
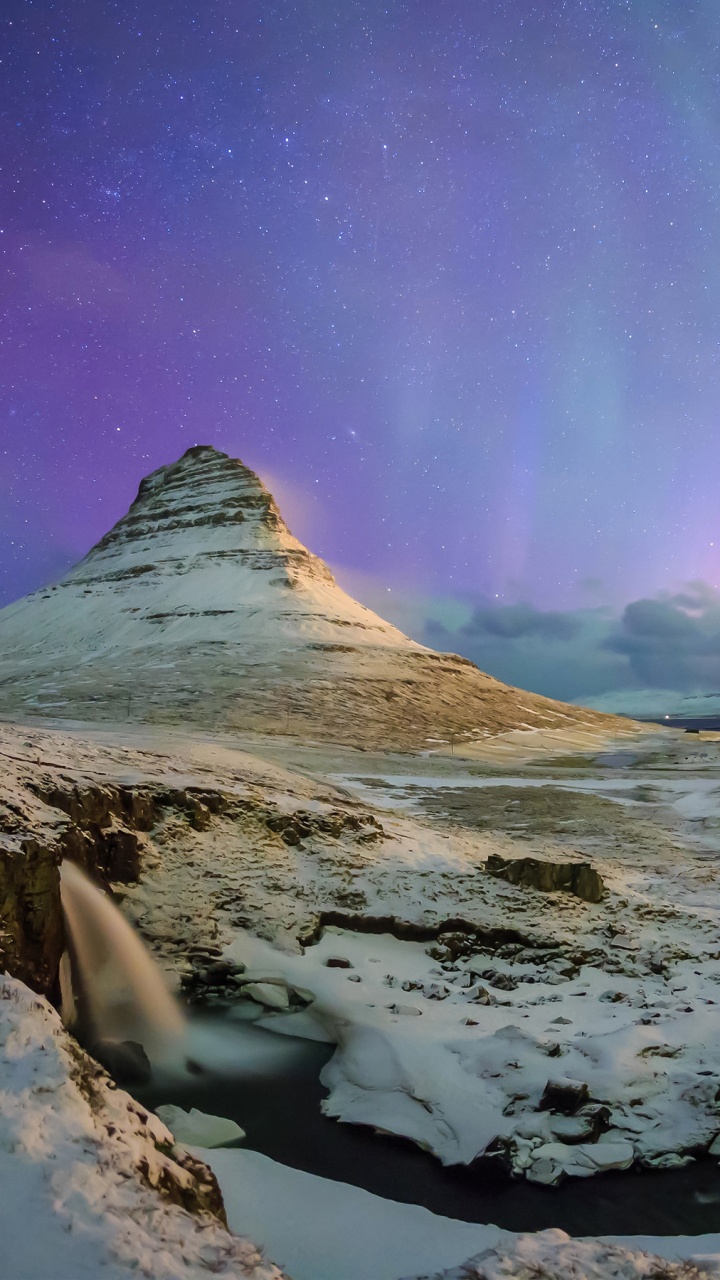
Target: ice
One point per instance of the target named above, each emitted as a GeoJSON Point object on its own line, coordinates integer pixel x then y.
{"type": "Point", "coordinates": [196, 1128]}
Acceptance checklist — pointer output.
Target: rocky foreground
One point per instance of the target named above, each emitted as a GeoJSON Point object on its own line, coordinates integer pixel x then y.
{"type": "Point", "coordinates": [519, 968]}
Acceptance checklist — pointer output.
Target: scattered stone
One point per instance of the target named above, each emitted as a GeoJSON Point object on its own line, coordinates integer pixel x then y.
{"type": "Point", "coordinates": [338, 962]}
{"type": "Point", "coordinates": [271, 995]}
{"type": "Point", "coordinates": [586, 1126]}
{"type": "Point", "coordinates": [436, 992]}
{"type": "Point", "coordinates": [668, 1160]}
{"type": "Point", "coordinates": [564, 1096]}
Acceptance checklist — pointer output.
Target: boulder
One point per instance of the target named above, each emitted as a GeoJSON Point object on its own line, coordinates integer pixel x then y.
{"type": "Point", "coordinates": [564, 1095]}
{"type": "Point", "coordinates": [578, 878]}
{"type": "Point", "coordinates": [126, 1060]}
{"type": "Point", "coordinates": [272, 995]}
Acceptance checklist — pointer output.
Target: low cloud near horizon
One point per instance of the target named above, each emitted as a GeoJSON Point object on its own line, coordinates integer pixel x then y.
{"type": "Point", "coordinates": [669, 642]}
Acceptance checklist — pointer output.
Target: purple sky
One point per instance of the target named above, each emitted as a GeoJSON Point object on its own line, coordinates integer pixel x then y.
{"type": "Point", "coordinates": [445, 274]}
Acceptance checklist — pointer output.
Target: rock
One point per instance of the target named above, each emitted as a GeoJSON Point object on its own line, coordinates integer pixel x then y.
{"type": "Point", "coordinates": [573, 1129]}
{"type": "Point", "coordinates": [714, 1148]}
{"type": "Point", "coordinates": [599, 1117]}
{"type": "Point", "coordinates": [544, 1171]}
{"type": "Point", "coordinates": [564, 1095]}
{"type": "Point", "coordinates": [408, 1009]}
{"type": "Point", "coordinates": [222, 970]}
{"type": "Point", "coordinates": [578, 878]}
{"type": "Point", "coordinates": [338, 962]}
{"type": "Point", "coordinates": [199, 815]}
{"type": "Point", "coordinates": [552, 1160]}
{"type": "Point", "coordinates": [126, 1060]}
{"type": "Point", "coordinates": [610, 1155]}
{"type": "Point", "coordinates": [197, 1129]}
{"type": "Point", "coordinates": [271, 995]}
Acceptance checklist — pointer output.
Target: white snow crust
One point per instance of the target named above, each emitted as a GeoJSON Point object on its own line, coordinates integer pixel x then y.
{"type": "Point", "coordinates": [366, 1237]}
{"type": "Point", "coordinates": [73, 1204]}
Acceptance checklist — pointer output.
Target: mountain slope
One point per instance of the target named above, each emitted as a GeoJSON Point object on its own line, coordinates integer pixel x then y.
{"type": "Point", "coordinates": [200, 606]}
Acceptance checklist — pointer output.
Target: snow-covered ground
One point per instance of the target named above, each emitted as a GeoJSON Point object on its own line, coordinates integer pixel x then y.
{"type": "Point", "coordinates": [322, 1230]}
{"type": "Point", "coordinates": [86, 1174]}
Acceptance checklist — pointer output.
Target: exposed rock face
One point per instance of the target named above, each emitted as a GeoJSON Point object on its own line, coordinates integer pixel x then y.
{"type": "Point", "coordinates": [200, 606]}
{"type": "Point", "coordinates": [51, 808]}
{"type": "Point", "coordinates": [572, 877]}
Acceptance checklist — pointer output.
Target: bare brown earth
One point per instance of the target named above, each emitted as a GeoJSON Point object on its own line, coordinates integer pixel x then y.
{"type": "Point", "coordinates": [378, 699]}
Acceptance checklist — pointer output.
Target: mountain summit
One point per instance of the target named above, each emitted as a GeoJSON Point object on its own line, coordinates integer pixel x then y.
{"type": "Point", "coordinates": [200, 607]}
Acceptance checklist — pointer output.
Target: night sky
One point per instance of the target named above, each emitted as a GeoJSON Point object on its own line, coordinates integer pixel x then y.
{"type": "Point", "coordinates": [445, 272]}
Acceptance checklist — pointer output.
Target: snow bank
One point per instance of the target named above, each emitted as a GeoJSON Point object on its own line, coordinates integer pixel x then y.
{"type": "Point", "coordinates": [552, 1255]}
{"type": "Point", "coordinates": [87, 1180]}
{"type": "Point", "coordinates": [323, 1230]}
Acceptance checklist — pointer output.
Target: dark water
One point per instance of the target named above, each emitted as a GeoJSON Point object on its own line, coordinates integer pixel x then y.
{"type": "Point", "coordinates": [617, 759]}
{"type": "Point", "coordinates": [691, 724]}
{"type": "Point", "coordinates": [280, 1113]}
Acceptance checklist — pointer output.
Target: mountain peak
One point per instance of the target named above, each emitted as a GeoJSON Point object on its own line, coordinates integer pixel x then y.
{"type": "Point", "coordinates": [204, 503]}
{"type": "Point", "coordinates": [199, 606]}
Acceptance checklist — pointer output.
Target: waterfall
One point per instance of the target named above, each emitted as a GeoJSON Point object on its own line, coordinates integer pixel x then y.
{"type": "Point", "coordinates": [122, 986]}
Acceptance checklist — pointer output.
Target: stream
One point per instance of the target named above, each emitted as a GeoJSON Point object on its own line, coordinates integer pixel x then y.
{"type": "Point", "coordinates": [278, 1106]}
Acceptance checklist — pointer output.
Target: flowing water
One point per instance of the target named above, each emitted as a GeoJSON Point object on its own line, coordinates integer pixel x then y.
{"type": "Point", "coordinates": [124, 989]}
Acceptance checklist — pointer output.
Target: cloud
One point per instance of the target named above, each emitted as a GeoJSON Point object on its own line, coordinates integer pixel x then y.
{"type": "Point", "coordinates": [562, 655]}
{"type": "Point", "coordinates": [515, 620]}
{"type": "Point", "coordinates": [672, 641]}
{"type": "Point", "coordinates": [669, 642]}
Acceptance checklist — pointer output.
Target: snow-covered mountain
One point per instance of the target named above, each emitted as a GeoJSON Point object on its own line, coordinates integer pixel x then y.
{"type": "Point", "coordinates": [657, 704]}
{"type": "Point", "coordinates": [200, 606]}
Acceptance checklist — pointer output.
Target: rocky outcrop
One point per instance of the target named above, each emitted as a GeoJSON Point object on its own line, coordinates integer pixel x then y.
{"type": "Point", "coordinates": [579, 878]}
{"type": "Point", "coordinates": [112, 829]}
{"type": "Point", "coordinates": [200, 606]}
{"type": "Point", "coordinates": [99, 826]}
{"type": "Point", "coordinates": [31, 927]}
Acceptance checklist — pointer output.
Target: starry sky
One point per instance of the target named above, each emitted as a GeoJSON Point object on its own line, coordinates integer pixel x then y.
{"type": "Point", "coordinates": [446, 274]}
